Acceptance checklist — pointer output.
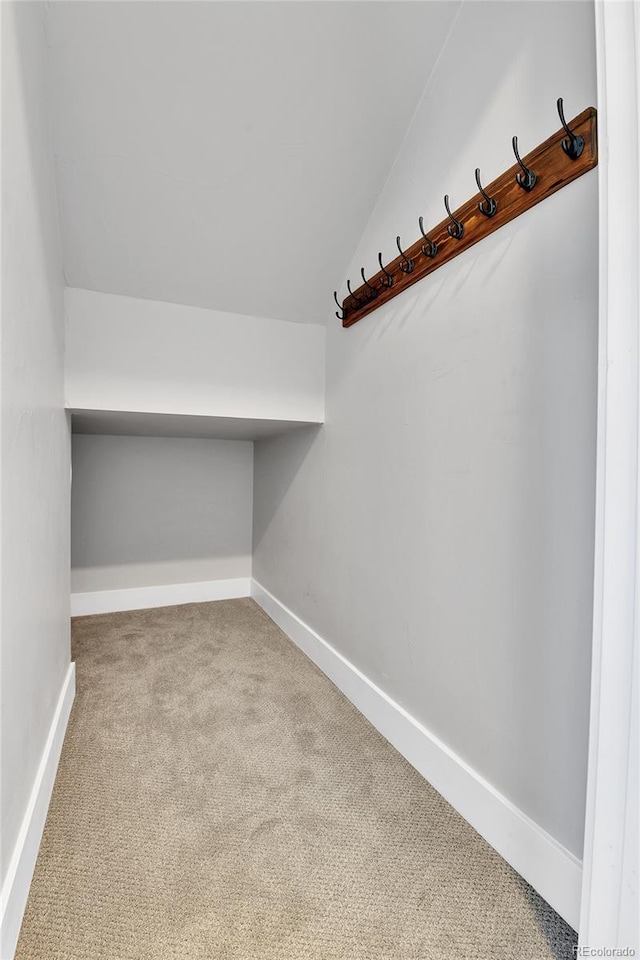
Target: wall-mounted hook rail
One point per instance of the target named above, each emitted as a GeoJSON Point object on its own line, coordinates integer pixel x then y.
{"type": "Point", "coordinates": [543, 171]}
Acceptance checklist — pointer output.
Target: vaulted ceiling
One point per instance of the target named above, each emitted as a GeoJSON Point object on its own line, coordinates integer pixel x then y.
{"type": "Point", "coordinates": [228, 154]}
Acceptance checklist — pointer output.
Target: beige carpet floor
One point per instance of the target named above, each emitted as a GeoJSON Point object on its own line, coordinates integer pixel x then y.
{"type": "Point", "coordinates": [217, 797]}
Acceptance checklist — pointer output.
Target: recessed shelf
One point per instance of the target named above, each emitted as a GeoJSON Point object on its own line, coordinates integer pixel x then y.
{"type": "Point", "coordinates": [131, 423]}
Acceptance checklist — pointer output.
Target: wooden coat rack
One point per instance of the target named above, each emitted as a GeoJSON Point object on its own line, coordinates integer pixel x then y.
{"type": "Point", "coordinates": [566, 155]}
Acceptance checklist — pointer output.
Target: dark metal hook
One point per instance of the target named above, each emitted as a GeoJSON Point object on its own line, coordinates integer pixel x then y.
{"type": "Point", "coordinates": [374, 292]}
{"type": "Point", "coordinates": [430, 248]}
{"type": "Point", "coordinates": [406, 265]}
{"type": "Point", "coordinates": [455, 228]}
{"type": "Point", "coordinates": [574, 146]}
{"type": "Point", "coordinates": [489, 206]}
{"type": "Point", "coordinates": [338, 315]}
{"type": "Point", "coordinates": [387, 280]}
{"type": "Point", "coordinates": [526, 179]}
{"type": "Point", "coordinates": [358, 302]}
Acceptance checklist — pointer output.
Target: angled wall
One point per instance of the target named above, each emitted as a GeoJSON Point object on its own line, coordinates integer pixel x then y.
{"type": "Point", "coordinates": [437, 532]}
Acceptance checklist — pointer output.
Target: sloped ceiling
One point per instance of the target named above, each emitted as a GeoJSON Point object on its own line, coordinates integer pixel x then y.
{"type": "Point", "coordinates": [228, 154]}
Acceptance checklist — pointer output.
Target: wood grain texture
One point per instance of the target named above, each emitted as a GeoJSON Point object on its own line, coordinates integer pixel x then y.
{"type": "Point", "coordinates": [553, 169]}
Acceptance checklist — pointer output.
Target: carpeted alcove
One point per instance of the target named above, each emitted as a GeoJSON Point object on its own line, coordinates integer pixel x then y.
{"type": "Point", "coordinates": [218, 797]}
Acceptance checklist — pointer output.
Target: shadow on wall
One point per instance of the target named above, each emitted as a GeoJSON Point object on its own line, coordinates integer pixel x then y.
{"type": "Point", "coordinates": [277, 462]}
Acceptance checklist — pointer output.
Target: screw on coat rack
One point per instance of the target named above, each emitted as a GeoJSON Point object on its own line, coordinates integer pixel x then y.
{"type": "Point", "coordinates": [428, 249]}
{"type": "Point", "coordinates": [488, 206]}
{"type": "Point", "coordinates": [526, 179]}
{"type": "Point", "coordinates": [387, 280]}
{"type": "Point", "coordinates": [374, 292]}
{"type": "Point", "coordinates": [456, 227]}
{"type": "Point", "coordinates": [406, 265]}
{"type": "Point", "coordinates": [574, 146]}
{"type": "Point", "coordinates": [352, 294]}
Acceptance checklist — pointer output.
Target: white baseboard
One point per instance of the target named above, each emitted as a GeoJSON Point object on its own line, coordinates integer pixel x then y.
{"type": "Point", "coordinates": [165, 595]}
{"type": "Point", "coordinates": [15, 888]}
{"type": "Point", "coordinates": [549, 867]}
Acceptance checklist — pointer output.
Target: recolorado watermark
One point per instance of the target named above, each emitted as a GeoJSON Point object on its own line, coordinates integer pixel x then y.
{"type": "Point", "coordinates": [603, 951]}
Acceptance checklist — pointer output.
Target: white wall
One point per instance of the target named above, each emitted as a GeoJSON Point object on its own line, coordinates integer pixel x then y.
{"type": "Point", "coordinates": [438, 530]}
{"type": "Point", "coordinates": [147, 511]}
{"type": "Point", "coordinates": [35, 436]}
{"type": "Point", "coordinates": [145, 355]}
